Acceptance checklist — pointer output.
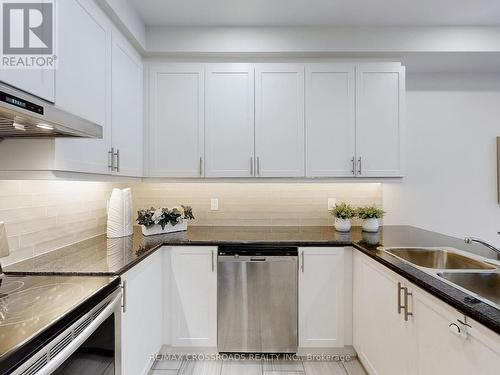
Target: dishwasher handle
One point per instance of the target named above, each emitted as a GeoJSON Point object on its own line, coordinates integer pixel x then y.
{"type": "Point", "coordinates": [255, 259]}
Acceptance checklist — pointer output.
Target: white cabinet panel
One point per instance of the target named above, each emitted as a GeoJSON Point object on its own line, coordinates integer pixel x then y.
{"type": "Point", "coordinates": [83, 83]}
{"type": "Point", "coordinates": [330, 120]}
{"type": "Point", "coordinates": [82, 78]}
{"type": "Point", "coordinates": [321, 297]}
{"type": "Point", "coordinates": [279, 120]}
{"type": "Point", "coordinates": [176, 128]}
{"type": "Point", "coordinates": [194, 296]}
{"type": "Point", "coordinates": [127, 103]}
{"type": "Point", "coordinates": [381, 337]}
{"type": "Point", "coordinates": [379, 110]}
{"type": "Point", "coordinates": [39, 82]}
{"type": "Point", "coordinates": [441, 351]}
{"type": "Point", "coordinates": [229, 120]}
{"type": "Point", "coordinates": [142, 320]}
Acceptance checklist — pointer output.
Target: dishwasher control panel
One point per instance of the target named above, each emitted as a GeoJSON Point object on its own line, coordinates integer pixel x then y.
{"type": "Point", "coordinates": [255, 250]}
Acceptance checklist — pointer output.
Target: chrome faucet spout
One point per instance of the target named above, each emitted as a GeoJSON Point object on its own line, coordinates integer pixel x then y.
{"type": "Point", "coordinates": [470, 240]}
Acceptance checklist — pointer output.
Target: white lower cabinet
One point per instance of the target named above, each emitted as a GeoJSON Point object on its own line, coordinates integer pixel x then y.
{"type": "Point", "coordinates": [424, 344]}
{"type": "Point", "coordinates": [381, 336]}
{"type": "Point", "coordinates": [193, 296]}
{"type": "Point", "coordinates": [321, 297]}
{"type": "Point", "coordinates": [443, 349]}
{"type": "Point", "coordinates": [142, 318]}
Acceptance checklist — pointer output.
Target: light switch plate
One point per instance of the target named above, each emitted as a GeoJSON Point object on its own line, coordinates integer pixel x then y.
{"type": "Point", "coordinates": [214, 204]}
{"type": "Point", "coordinates": [331, 203]}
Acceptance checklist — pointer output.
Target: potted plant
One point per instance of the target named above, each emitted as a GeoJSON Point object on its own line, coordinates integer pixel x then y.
{"type": "Point", "coordinates": [164, 220]}
{"type": "Point", "coordinates": [370, 216]}
{"type": "Point", "coordinates": [343, 213]}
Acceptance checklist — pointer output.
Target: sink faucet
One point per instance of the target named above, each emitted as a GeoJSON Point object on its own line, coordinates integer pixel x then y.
{"type": "Point", "coordinates": [470, 240]}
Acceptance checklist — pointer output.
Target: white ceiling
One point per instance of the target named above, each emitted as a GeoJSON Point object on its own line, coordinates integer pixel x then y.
{"type": "Point", "coordinates": [318, 12]}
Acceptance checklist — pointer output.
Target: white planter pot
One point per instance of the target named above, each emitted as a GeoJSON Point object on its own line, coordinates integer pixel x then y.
{"type": "Point", "coordinates": [370, 225]}
{"type": "Point", "coordinates": [342, 225]}
{"type": "Point", "coordinates": [157, 229]}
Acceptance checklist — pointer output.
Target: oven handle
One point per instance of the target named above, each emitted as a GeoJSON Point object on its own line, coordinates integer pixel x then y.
{"type": "Point", "coordinates": [55, 362]}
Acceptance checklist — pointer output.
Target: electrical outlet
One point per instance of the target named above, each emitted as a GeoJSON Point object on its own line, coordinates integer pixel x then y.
{"type": "Point", "coordinates": [214, 204]}
{"type": "Point", "coordinates": [331, 203]}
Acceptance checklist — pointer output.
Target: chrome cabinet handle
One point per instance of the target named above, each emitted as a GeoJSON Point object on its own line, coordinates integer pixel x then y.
{"type": "Point", "coordinates": [302, 263]}
{"type": "Point", "coordinates": [213, 263]}
{"type": "Point", "coordinates": [251, 165]}
{"type": "Point", "coordinates": [407, 313]}
{"type": "Point", "coordinates": [454, 328]}
{"type": "Point", "coordinates": [360, 166]}
{"type": "Point", "coordinates": [111, 159]}
{"type": "Point", "coordinates": [201, 166]}
{"type": "Point", "coordinates": [258, 166]}
{"type": "Point", "coordinates": [400, 307]}
{"type": "Point", "coordinates": [353, 161]}
{"type": "Point", "coordinates": [124, 296]}
{"type": "Point", "coordinates": [117, 154]}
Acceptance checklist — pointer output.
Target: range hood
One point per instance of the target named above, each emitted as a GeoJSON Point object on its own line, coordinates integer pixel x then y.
{"type": "Point", "coordinates": [25, 116]}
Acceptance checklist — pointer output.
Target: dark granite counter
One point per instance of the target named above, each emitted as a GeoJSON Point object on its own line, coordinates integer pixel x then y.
{"type": "Point", "coordinates": [102, 256]}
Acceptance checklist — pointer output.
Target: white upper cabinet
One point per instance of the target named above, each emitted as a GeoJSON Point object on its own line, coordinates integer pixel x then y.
{"type": "Point", "coordinates": [380, 91]}
{"type": "Point", "coordinates": [38, 82]}
{"type": "Point", "coordinates": [321, 297]}
{"type": "Point", "coordinates": [127, 104]}
{"type": "Point", "coordinates": [330, 120]}
{"type": "Point", "coordinates": [83, 83]}
{"type": "Point", "coordinates": [176, 123]}
{"type": "Point", "coordinates": [229, 120]}
{"type": "Point", "coordinates": [279, 120]}
{"type": "Point", "coordinates": [82, 78]}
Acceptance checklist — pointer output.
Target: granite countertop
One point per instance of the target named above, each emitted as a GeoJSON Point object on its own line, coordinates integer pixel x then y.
{"type": "Point", "coordinates": [102, 256]}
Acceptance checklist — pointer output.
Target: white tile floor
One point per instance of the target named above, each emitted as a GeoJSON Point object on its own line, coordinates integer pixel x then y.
{"type": "Point", "coordinates": [255, 367]}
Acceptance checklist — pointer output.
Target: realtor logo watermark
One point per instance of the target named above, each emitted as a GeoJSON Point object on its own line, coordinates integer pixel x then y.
{"type": "Point", "coordinates": [28, 34]}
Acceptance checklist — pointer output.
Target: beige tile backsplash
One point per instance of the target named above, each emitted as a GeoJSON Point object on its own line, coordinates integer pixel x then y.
{"type": "Point", "coordinates": [41, 216]}
{"type": "Point", "coordinates": [257, 203]}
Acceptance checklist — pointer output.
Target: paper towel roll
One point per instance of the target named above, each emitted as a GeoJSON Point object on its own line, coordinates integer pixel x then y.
{"type": "Point", "coordinates": [4, 244]}
{"type": "Point", "coordinates": [120, 213]}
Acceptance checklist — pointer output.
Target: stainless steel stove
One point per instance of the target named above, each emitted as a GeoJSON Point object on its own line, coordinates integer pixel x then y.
{"type": "Point", "coordinates": [47, 322]}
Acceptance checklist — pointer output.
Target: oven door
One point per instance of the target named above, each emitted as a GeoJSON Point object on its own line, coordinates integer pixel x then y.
{"type": "Point", "coordinates": [89, 346]}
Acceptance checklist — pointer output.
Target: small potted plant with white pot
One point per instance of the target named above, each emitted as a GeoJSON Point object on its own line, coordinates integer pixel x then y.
{"type": "Point", "coordinates": [164, 219]}
{"type": "Point", "coordinates": [343, 213]}
{"type": "Point", "coordinates": [370, 216]}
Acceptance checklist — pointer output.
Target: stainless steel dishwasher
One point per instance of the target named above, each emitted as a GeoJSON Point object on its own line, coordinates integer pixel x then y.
{"type": "Point", "coordinates": [257, 299]}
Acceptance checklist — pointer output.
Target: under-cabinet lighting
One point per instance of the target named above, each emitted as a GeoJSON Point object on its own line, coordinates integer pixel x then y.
{"type": "Point", "coordinates": [19, 126]}
{"type": "Point", "coordinates": [45, 126]}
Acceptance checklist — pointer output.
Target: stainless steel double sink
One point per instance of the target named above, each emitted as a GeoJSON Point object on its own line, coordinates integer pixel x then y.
{"type": "Point", "coordinates": [476, 275]}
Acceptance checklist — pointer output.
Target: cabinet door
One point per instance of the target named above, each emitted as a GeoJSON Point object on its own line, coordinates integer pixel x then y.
{"type": "Point", "coordinates": [381, 337]}
{"type": "Point", "coordinates": [141, 323]}
{"type": "Point", "coordinates": [330, 120]}
{"type": "Point", "coordinates": [279, 120]}
{"type": "Point", "coordinates": [321, 297]}
{"type": "Point", "coordinates": [127, 102]}
{"type": "Point", "coordinates": [380, 91]}
{"type": "Point", "coordinates": [444, 351]}
{"type": "Point", "coordinates": [194, 296]}
{"type": "Point", "coordinates": [176, 127]}
{"type": "Point", "coordinates": [38, 82]}
{"type": "Point", "coordinates": [83, 83]}
{"type": "Point", "coordinates": [229, 120]}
